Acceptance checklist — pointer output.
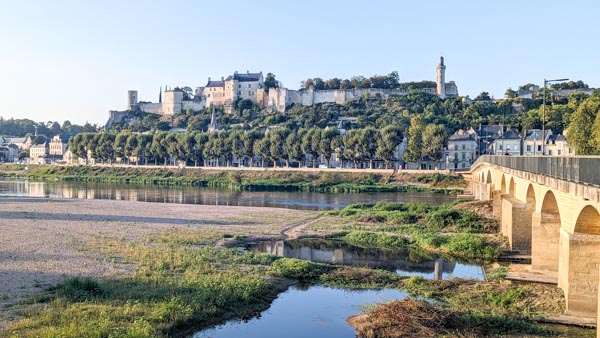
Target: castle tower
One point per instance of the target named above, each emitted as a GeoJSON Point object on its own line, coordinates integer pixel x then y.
{"type": "Point", "coordinates": [213, 126]}
{"type": "Point", "coordinates": [441, 79]}
{"type": "Point", "coordinates": [132, 99]}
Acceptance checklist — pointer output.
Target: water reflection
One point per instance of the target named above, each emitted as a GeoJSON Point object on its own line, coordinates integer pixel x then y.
{"type": "Point", "coordinates": [208, 196]}
{"type": "Point", "coordinates": [406, 262]}
{"type": "Point", "coordinates": [316, 311]}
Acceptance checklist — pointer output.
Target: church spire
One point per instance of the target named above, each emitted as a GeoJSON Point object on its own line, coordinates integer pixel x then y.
{"type": "Point", "coordinates": [160, 95]}
{"type": "Point", "coordinates": [213, 126]}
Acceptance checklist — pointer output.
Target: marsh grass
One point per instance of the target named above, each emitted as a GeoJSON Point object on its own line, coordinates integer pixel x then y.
{"type": "Point", "coordinates": [180, 285]}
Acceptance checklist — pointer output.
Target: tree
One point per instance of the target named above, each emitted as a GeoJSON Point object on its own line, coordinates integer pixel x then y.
{"type": "Point", "coordinates": [510, 94]}
{"type": "Point", "coordinates": [188, 93]}
{"type": "Point", "coordinates": [318, 83]}
{"type": "Point", "coordinates": [262, 149]}
{"type": "Point", "coordinates": [333, 83]}
{"type": "Point", "coordinates": [368, 139]}
{"type": "Point", "coordinates": [483, 96]}
{"type": "Point", "coordinates": [415, 140]}
{"type": "Point", "coordinates": [350, 143]}
{"type": "Point", "coordinates": [391, 137]}
{"type": "Point", "coordinates": [158, 148]}
{"type": "Point", "coordinates": [277, 145]}
{"type": "Point", "coordinates": [130, 146]}
{"type": "Point", "coordinates": [270, 82]}
{"type": "Point", "coordinates": [119, 144]}
{"type": "Point", "coordinates": [292, 148]}
{"type": "Point", "coordinates": [434, 137]}
{"type": "Point", "coordinates": [583, 128]}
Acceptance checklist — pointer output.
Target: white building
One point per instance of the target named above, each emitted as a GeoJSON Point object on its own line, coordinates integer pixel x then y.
{"type": "Point", "coordinates": [533, 142]}
{"type": "Point", "coordinates": [507, 144]}
{"type": "Point", "coordinates": [462, 149]}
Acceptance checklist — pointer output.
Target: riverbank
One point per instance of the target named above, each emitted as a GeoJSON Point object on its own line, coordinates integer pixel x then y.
{"type": "Point", "coordinates": [49, 242]}
{"type": "Point", "coordinates": [117, 268]}
{"type": "Point", "coordinates": [276, 180]}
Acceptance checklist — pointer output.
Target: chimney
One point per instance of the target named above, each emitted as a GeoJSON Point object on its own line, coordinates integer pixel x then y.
{"type": "Point", "coordinates": [209, 79]}
{"type": "Point", "coordinates": [222, 78]}
{"type": "Point", "coordinates": [247, 71]}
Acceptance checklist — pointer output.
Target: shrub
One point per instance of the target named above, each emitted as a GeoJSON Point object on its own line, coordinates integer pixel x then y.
{"type": "Point", "coordinates": [298, 269]}
{"type": "Point", "coordinates": [374, 240]}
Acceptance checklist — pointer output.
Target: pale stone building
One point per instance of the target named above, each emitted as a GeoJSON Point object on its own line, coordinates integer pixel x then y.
{"type": "Point", "coordinates": [38, 153]}
{"type": "Point", "coordinates": [533, 142]}
{"type": "Point", "coordinates": [462, 149]}
{"type": "Point", "coordinates": [507, 144]}
{"type": "Point", "coordinates": [58, 145]}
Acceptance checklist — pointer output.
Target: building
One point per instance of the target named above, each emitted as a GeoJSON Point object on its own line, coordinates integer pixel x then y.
{"type": "Point", "coordinates": [58, 145]}
{"type": "Point", "coordinates": [557, 145]}
{"type": "Point", "coordinates": [250, 86]}
{"type": "Point", "coordinates": [38, 153]}
{"type": "Point", "coordinates": [507, 144]}
{"type": "Point", "coordinates": [533, 142]}
{"type": "Point", "coordinates": [462, 149]}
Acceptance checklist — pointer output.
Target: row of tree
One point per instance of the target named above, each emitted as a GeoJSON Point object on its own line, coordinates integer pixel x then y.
{"type": "Point", "coordinates": [276, 147]}
{"type": "Point", "coordinates": [390, 81]}
{"type": "Point", "coordinates": [24, 127]}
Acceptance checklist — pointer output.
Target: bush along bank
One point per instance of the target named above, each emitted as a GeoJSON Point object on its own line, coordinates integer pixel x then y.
{"type": "Point", "coordinates": [327, 182]}
{"type": "Point", "coordinates": [445, 230]}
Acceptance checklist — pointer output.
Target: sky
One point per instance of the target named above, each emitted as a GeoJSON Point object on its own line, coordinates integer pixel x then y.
{"type": "Point", "coordinates": [75, 60]}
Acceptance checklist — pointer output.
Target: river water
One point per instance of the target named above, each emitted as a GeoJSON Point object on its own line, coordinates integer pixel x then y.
{"type": "Point", "coordinates": [208, 196]}
{"type": "Point", "coordinates": [314, 311]}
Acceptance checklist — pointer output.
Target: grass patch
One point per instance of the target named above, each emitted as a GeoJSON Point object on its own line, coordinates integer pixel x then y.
{"type": "Point", "coordinates": [302, 270]}
{"type": "Point", "coordinates": [179, 286]}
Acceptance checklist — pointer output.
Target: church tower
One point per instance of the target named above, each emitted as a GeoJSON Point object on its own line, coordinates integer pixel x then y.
{"type": "Point", "coordinates": [213, 126]}
{"type": "Point", "coordinates": [441, 79]}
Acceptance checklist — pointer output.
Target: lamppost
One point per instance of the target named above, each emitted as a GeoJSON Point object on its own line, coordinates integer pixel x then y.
{"type": "Point", "coordinates": [544, 113]}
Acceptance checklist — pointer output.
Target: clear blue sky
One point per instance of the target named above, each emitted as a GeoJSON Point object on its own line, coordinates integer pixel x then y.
{"type": "Point", "coordinates": [76, 59]}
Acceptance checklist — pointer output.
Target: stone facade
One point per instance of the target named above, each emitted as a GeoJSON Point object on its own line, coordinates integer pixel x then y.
{"type": "Point", "coordinates": [250, 86]}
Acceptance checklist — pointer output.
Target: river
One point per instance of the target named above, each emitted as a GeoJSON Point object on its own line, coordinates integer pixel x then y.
{"type": "Point", "coordinates": [208, 196]}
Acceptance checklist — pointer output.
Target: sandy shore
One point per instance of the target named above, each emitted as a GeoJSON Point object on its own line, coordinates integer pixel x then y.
{"type": "Point", "coordinates": [41, 240]}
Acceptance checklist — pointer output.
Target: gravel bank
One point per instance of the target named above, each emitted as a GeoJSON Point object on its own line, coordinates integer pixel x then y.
{"type": "Point", "coordinates": [41, 240]}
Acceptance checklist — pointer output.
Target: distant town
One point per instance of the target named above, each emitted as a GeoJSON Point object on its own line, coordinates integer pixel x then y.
{"type": "Point", "coordinates": [376, 122]}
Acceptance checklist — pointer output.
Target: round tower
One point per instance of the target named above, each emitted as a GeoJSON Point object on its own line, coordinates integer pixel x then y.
{"type": "Point", "coordinates": [441, 79]}
{"type": "Point", "coordinates": [132, 99]}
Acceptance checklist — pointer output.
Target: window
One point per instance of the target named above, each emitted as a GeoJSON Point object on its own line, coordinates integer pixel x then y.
{"type": "Point", "coordinates": [464, 147]}
{"type": "Point", "coordinates": [559, 152]}
{"type": "Point", "coordinates": [464, 156]}
{"type": "Point", "coordinates": [500, 147]}
{"type": "Point", "coordinates": [539, 148]}
{"type": "Point", "coordinates": [240, 92]}
{"type": "Point", "coordinates": [550, 152]}
{"type": "Point", "coordinates": [240, 85]}
{"type": "Point", "coordinates": [528, 147]}
{"type": "Point", "coordinates": [249, 86]}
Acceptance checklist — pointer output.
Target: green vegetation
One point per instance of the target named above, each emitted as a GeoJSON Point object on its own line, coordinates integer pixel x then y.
{"type": "Point", "coordinates": [24, 127]}
{"type": "Point", "coordinates": [301, 270]}
{"type": "Point", "coordinates": [342, 182]}
{"type": "Point", "coordinates": [177, 287]}
{"type": "Point", "coordinates": [438, 229]}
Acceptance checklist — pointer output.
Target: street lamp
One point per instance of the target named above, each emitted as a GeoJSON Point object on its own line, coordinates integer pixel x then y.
{"type": "Point", "coordinates": [544, 113]}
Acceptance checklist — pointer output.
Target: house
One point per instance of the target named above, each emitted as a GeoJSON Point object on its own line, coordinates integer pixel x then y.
{"type": "Point", "coordinates": [507, 144]}
{"type": "Point", "coordinates": [533, 142]}
{"type": "Point", "coordinates": [462, 149]}
{"type": "Point", "coordinates": [58, 145]}
{"type": "Point", "coordinates": [557, 145]}
{"type": "Point", "coordinates": [38, 153]}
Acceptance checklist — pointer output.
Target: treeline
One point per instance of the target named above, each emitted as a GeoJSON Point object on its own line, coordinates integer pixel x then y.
{"type": "Point", "coordinates": [390, 81]}
{"type": "Point", "coordinates": [277, 147]}
{"type": "Point", "coordinates": [24, 127]}
{"type": "Point", "coordinates": [584, 130]}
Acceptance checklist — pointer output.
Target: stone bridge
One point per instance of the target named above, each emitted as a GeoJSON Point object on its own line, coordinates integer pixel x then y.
{"type": "Point", "coordinates": [548, 208]}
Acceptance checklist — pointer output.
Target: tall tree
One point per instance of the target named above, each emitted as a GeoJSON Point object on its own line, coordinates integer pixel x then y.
{"type": "Point", "coordinates": [434, 137]}
{"type": "Point", "coordinates": [580, 134]}
{"type": "Point", "coordinates": [415, 140]}
{"type": "Point", "coordinates": [391, 137]}
{"type": "Point", "coordinates": [270, 82]}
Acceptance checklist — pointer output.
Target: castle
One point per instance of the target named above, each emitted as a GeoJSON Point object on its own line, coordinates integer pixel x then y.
{"type": "Point", "coordinates": [227, 91]}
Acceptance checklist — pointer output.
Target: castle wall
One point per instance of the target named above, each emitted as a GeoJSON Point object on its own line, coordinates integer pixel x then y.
{"type": "Point", "coordinates": [152, 108]}
{"type": "Point", "coordinates": [194, 105]}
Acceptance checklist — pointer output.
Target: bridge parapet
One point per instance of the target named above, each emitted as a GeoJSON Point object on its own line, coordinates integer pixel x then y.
{"type": "Point", "coordinates": [578, 169]}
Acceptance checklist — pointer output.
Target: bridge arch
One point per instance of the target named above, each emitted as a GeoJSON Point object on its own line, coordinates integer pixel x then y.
{"type": "Point", "coordinates": [545, 234]}
{"type": "Point", "coordinates": [503, 185]}
{"type": "Point", "coordinates": [512, 187]}
{"type": "Point", "coordinates": [488, 178]}
{"type": "Point", "coordinates": [582, 270]}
